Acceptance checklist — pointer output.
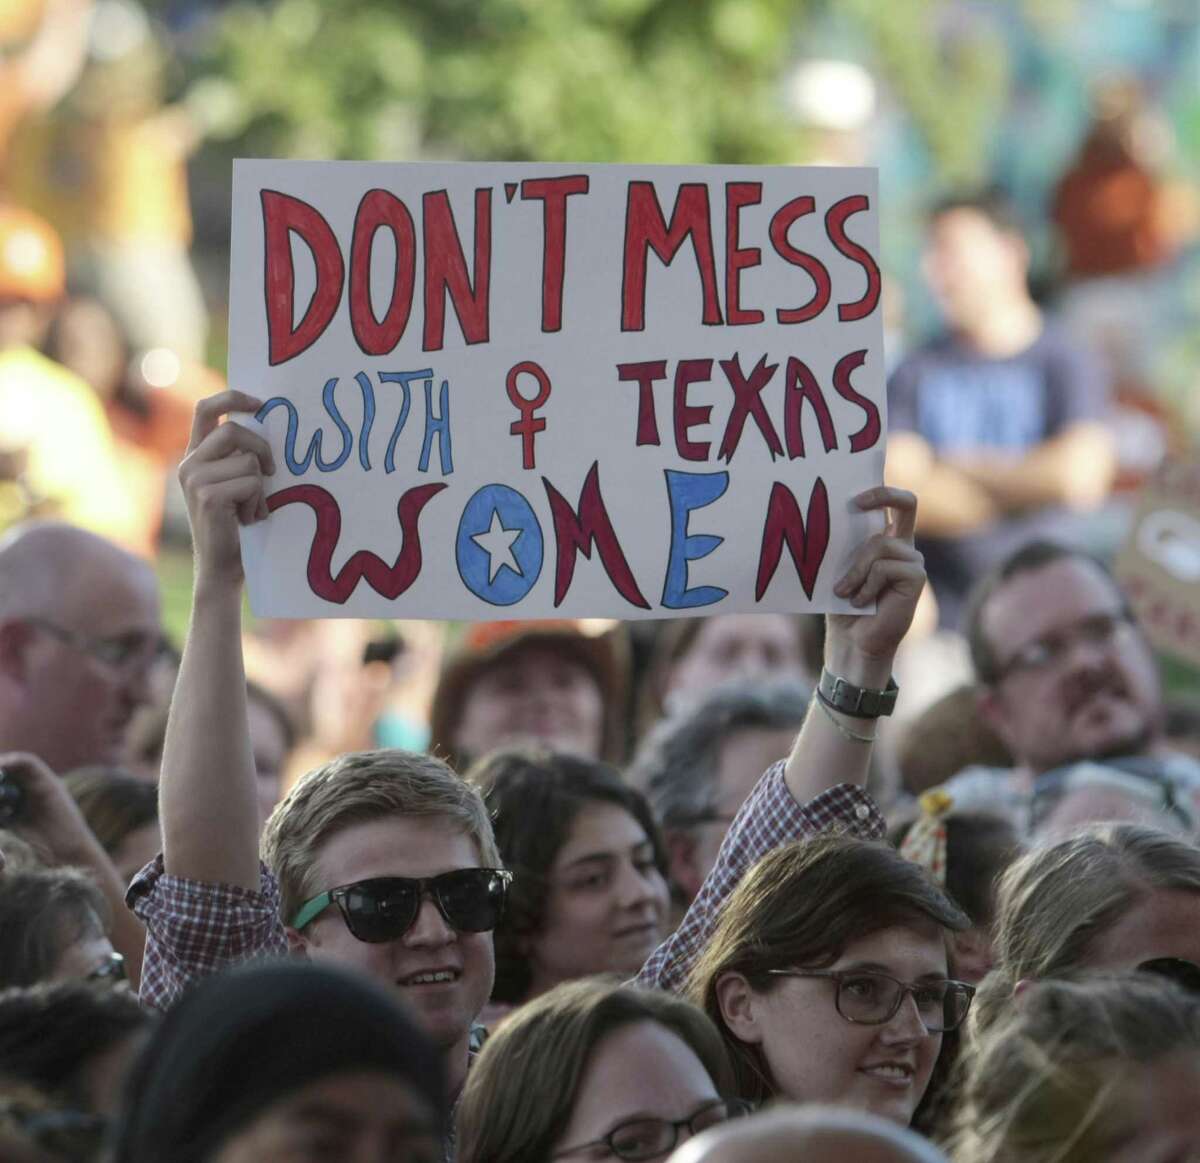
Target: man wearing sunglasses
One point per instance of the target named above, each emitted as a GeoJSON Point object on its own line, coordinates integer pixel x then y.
{"type": "Point", "coordinates": [79, 632]}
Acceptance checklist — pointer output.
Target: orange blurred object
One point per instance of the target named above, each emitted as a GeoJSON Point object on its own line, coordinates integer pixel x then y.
{"type": "Point", "coordinates": [32, 265]}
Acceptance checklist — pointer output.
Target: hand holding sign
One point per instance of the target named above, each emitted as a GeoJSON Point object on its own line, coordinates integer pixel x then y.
{"type": "Point", "coordinates": [889, 571]}
{"type": "Point", "coordinates": [222, 478]}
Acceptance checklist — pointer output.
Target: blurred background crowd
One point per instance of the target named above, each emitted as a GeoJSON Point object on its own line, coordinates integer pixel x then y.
{"type": "Point", "coordinates": [1074, 123]}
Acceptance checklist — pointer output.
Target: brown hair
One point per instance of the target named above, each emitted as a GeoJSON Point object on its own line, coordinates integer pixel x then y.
{"type": "Point", "coordinates": [113, 802]}
{"type": "Point", "coordinates": [41, 912]}
{"type": "Point", "coordinates": [1055, 902]}
{"type": "Point", "coordinates": [521, 1089]}
{"type": "Point", "coordinates": [356, 788]}
{"type": "Point", "coordinates": [534, 797]}
{"type": "Point", "coordinates": [1043, 1085]}
{"type": "Point", "coordinates": [802, 904]}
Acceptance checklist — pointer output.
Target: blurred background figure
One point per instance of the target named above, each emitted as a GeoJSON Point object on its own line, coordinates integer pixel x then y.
{"type": "Point", "coordinates": [553, 682]}
{"type": "Point", "coordinates": [690, 656]}
{"type": "Point", "coordinates": [58, 457]}
{"type": "Point", "coordinates": [998, 423]}
{"type": "Point", "coordinates": [108, 168]}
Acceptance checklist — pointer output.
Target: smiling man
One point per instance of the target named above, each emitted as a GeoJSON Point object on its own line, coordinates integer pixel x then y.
{"type": "Point", "coordinates": [1065, 676]}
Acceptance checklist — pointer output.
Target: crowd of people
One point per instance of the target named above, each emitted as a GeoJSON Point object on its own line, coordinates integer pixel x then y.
{"type": "Point", "coordinates": [919, 883]}
{"type": "Point", "coordinates": [539, 950]}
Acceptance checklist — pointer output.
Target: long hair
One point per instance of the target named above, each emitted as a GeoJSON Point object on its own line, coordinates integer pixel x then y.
{"type": "Point", "coordinates": [1043, 1084]}
{"type": "Point", "coordinates": [521, 1090]}
{"type": "Point", "coordinates": [803, 904]}
{"type": "Point", "coordinates": [1055, 903]}
{"type": "Point", "coordinates": [534, 796]}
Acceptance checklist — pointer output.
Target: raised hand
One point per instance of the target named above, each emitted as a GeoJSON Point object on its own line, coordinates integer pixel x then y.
{"type": "Point", "coordinates": [222, 478]}
{"type": "Point", "coordinates": [888, 570]}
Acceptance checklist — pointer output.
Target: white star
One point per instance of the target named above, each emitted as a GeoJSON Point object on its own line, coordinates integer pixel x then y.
{"type": "Point", "coordinates": [497, 543]}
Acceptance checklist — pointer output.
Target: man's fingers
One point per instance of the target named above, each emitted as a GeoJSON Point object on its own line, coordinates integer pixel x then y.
{"type": "Point", "coordinates": [209, 411]}
{"type": "Point", "coordinates": [242, 493]}
{"type": "Point", "coordinates": [884, 573]}
{"type": "Point", "coordinates": [901, 502]}
{"type": "Point", "coordinates": [228, 468]}
{"type": "Point", "coordinates": [878, 547]}
{"type": "Point", "coordinates": [229, 438]}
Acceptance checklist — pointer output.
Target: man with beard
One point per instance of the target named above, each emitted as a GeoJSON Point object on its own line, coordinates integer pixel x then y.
{"type": "Point", "coordinates": [1065, 677]}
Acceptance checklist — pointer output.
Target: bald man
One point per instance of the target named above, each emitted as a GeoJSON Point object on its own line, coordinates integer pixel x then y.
{"type": "Point", "coordinates": [809, 1135]}
{"type": "Point", "coordinates": [79, 630]}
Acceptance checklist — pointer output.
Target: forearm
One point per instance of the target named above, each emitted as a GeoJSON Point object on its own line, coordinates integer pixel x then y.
{"type": "Point", "coordinates": [952, 504]}
{"type": "Point", "coordinates": [208, 801]}
{"type": "Point", "coordinates": [823, 755]}
{"type": "Point", "coordinates": [1075, 470]}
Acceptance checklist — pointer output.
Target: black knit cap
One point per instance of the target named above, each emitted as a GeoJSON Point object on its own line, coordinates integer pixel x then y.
{"type": "Point", "coordinates": [244, 1039]}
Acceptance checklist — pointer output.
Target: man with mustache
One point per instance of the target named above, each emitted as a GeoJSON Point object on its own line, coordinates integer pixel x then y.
{"type": "Point", "coordinates": [1064, 677]}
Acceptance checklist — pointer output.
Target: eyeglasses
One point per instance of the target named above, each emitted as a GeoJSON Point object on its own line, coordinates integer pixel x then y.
{"type": "Point", "coordinates": [112, 968]}
{"type": "Point", "coordinates": [124, 653]}
{"type": "Point", "coordinates": [1047, 653]}
{"type": "Point", "coordinates": [1177, 969]}
{"type": "Point", "coordinates": [641, 1139]}
{"type": "Point", "coordinates": [868, 998]}
{"type": "Point", "coordinates": [471, 900]}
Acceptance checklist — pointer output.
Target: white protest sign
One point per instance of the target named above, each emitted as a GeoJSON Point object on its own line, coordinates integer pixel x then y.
{"type": "Point", "coordinates": [519, 390]}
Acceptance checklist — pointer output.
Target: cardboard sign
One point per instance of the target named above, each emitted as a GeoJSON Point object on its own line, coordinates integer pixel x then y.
{"type": "Point", "coordinates": [1159, 565]}
{"type": "Point", "coordinates": [513, 391]}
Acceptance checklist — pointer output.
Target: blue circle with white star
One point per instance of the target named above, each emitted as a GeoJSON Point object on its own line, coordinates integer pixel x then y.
{"type": "Point", "coordinates": [499, 547]}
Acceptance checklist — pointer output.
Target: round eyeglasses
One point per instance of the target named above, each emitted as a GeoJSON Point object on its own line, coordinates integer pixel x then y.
{"type": "Point", "coordinates": [868, 998]}
{"type": "Point", "coordinates": [643, 1139]}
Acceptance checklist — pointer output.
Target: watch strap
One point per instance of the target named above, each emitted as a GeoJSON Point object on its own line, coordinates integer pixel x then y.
{"type": "Point", "coordinates": [840, 694]}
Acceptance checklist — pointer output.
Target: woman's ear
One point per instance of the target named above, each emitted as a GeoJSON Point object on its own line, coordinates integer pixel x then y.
{"type": "Point", "coordinates": [739, 1007]}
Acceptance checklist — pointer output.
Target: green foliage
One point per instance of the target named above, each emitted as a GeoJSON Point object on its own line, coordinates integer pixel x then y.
{"type": "Point", "coordinates": [581, 80]}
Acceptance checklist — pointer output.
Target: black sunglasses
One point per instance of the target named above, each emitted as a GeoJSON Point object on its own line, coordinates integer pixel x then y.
{"type": "Point", "coordinates": [471, 900]}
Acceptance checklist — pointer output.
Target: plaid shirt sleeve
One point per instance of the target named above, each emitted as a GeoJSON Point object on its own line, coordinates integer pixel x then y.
{"type": "Point", "coordinates": [194, 928]}
{"type": "Point", "coordinates": [769, 817]}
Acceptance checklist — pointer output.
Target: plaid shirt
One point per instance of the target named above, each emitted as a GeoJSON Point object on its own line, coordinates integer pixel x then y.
{"type": "Point", "coordinates": [194, 928]}
{"type": "Point", "coordinates": [770, 817]}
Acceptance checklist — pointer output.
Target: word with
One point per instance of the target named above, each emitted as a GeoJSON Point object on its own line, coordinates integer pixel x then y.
{"type": "Point", "coordinates": [437, 425]}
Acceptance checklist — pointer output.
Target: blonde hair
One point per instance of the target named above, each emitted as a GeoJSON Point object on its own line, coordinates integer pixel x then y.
{"type": "Point", "coordinates": [1055, 902]}
{"type": "Point", "coordinates": [1043, 1085]}
{"type": "Point", "coordinates": [356, 788]}
{"type": "Point", "coordinates": [521, 1090]}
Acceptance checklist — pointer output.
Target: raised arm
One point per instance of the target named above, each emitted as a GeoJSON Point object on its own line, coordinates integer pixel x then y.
{"type": "Point", "coordinates": [821, 783]}
{"type": "Point", "coordinates": [208, 800]}
{"type": "Point", "coordinates": [833, 748]}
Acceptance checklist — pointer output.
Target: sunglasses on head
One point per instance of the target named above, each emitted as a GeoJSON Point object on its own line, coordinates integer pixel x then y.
{"type": "Point", "coordinates": [470, 900]}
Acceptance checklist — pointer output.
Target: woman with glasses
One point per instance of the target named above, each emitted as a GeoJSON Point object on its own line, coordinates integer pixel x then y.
{"type": "Point", "coordinates": [1088, 1071]}
{"type": "Point", "coordinates": [830, 977]}
{"type": "Point", "coordinates": [53, 922]}
{"type": "Point", "coordinates": [594, 1070]}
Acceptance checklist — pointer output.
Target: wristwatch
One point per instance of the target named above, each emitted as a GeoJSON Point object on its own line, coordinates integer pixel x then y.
{"type": "Point", "coordinates": [860, 702]}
